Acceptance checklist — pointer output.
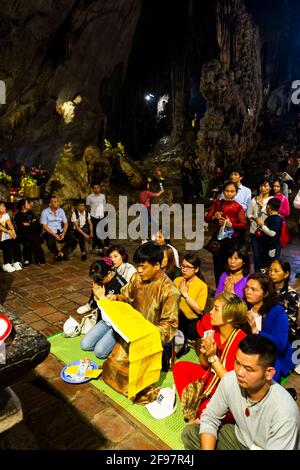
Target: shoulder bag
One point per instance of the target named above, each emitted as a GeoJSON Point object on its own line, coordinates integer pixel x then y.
{"type": "Point", "coordinates": [195, 392]}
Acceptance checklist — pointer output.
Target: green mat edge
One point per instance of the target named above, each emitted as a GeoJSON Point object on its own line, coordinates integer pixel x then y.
{"type": "Point", "coordinates": [160, 428]}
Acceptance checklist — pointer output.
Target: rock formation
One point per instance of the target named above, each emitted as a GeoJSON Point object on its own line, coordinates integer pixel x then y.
{"type": "Point", "coordinates": [52, 53]}
{"type": "Point", "coordinates": [232, 87]}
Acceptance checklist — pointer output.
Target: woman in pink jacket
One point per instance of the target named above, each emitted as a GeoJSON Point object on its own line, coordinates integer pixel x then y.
{"type": "Point", "coordinates": [284, 209]}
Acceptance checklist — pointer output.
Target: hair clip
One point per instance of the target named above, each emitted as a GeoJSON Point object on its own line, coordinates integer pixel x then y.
{"type": "Point", "coordinates": [108, 261]}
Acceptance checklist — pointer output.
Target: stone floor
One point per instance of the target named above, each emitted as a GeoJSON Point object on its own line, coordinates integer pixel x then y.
{"type": "Point", "coordinates": [84, 418]}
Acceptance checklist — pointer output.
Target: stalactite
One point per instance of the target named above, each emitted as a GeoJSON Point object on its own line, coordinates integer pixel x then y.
{"type": "Point", "coordinates": [232, 87]}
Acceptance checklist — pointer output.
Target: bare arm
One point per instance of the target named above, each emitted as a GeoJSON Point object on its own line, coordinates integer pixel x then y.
{"type": "Point", "coordinates": [77, 227]}
{"type": "Point", "coordinates": [47, 229]}
{"type": "Point", "coordinates": [208, 441]}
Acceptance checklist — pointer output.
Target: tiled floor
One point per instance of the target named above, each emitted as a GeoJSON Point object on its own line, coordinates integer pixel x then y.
{"type": "Point", "coordinates": [45, 297]}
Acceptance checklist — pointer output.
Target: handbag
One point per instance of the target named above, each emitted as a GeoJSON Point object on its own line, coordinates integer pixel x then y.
{"type": "Point", "coordinates": [284, 236]}
{"type": "Point", "coordinates": [258, 233]}
{"type": "Point", "coordinates": [89, 321]}
{"type": "Point", "coordinates": [225, 232]}
{"type": "Point", "coordinates": [195, 392]}
{"type": "Point", "coordinates": [192, 396]}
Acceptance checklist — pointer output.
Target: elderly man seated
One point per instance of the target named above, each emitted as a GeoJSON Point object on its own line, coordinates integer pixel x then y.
{"type": "Point", "coordinates": [55, 224]}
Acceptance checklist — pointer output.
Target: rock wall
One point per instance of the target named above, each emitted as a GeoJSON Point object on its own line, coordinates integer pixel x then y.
{"type": "Point", "coordinates": [232, 86]}
{"type": "Point", "coordinates": [62, 62]}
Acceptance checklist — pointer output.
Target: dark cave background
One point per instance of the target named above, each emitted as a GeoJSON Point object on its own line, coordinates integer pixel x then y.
{"type": "Point", "coordinates": [112, 54]}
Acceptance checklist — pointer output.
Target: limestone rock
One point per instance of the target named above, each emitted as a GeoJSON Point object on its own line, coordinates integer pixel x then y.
{"type": "Point", "coordinates": [232, 86]}
{"type": "Point", "coordinates": [51, 52]}
{"type": "Point", "coordinates": [69, 180]}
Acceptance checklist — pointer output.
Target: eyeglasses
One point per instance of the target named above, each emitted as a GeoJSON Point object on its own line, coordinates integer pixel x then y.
{"type": "Point", "coordinates": [189, 268]}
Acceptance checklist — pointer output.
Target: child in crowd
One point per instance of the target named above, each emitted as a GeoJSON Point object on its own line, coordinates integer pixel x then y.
{"type": "Point", "coordinates": [96, 201]}
{"type": "Point", "coordinates": [271, 231]}
{"type": "Point", "coordinates": [83, 226]}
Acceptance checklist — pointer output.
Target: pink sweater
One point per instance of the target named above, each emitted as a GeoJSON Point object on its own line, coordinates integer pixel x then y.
{"type": "Point", "coordinates": [284, 209]}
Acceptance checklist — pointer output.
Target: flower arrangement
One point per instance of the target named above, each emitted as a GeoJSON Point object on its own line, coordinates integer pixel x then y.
{"type": "Point", "coordinates": [118, 151]}
{"type": "Point", "coordinates": [38, 174]}
{"type": "Point", "coordinates": [5, 179]}
{"type": "Point", "coordinates": [107, 144]}
{"type": "Point", "coordinates": [26, 182]}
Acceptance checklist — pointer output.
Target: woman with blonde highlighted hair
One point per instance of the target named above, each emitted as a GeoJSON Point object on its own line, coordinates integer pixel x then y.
{"type": "Point", "coordinates": [221, 334]}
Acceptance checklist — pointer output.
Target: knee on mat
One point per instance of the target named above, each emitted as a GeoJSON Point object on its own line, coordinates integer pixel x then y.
{"type": "Point", "coordinates": [85, 346]}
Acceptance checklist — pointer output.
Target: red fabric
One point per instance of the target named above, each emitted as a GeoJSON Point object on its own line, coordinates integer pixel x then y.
{"type": "Point", "coordinates": [203, 325]}
{"type": "Point", "coordinates": [231, 209]}
{"type": "Point", "coordinates": [284, 236]}
{"type": "Point", "coordinates": [284, 209]}
{"type": "Point", "coordinates": [144, 197]}
{"type": "Point", "coordinates": [186, 372]}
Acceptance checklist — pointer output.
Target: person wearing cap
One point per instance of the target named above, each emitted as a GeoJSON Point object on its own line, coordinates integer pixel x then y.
{"type": "Point", "coordinates": [266, 416]}
{"type": "Point", "coordinates": [153, 294]}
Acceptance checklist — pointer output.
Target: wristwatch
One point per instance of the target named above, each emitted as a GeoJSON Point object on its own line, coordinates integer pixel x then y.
{"type": "Point", "coordinates": [212, 359]}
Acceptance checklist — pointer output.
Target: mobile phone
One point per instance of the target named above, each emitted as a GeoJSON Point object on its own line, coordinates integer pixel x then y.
{"type": "Point", "coordinates": [209, 334]}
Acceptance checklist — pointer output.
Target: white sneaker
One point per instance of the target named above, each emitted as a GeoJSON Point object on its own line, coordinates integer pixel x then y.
{"type": "Point", "coordinates": [17, 265]}
{"type": "Point", "coordinates": [8, 268]}
{"type": "Point", "coordinates": [84, 309]}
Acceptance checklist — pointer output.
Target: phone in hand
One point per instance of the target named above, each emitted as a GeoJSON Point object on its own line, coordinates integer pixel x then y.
{"type": "Point", "coordinates": [209, 334]}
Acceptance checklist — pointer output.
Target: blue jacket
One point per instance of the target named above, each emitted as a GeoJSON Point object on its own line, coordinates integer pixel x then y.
{"type": "Point", "coordinates": [275, 327]}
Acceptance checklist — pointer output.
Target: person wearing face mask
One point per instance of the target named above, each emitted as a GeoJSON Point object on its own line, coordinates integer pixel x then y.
{"type": "Point", "coordinates": [230, 213]}
{"type": "Point", "coordinates": [119, 257]}
{"type": "Point", "coordinates": [234, 278]}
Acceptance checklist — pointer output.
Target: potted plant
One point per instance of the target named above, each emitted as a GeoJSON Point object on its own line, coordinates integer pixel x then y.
{"type": "Point", "coordinates": [29, 187]}
{"type": "Point", "coordinates": [5, 183]}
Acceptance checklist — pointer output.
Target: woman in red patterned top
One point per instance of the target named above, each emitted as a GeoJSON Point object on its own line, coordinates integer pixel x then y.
{"type": "Point", "coordinates": [221, 334]}
{"type": "Point", "coordinates": [231, 213]}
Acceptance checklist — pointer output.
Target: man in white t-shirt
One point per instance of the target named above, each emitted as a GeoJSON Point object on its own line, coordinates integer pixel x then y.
{"type": "Point", "coordinates": [83, 227]}
{"type": "Point", "coordinates": [96, 201]}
